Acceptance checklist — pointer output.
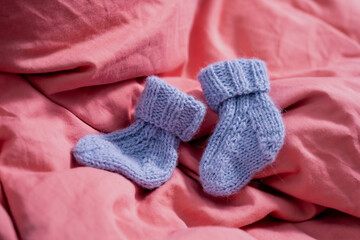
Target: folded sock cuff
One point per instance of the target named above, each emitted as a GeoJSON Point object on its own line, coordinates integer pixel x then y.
{"type": "Point", "coordinates": [170, 109]}
{"type": "Point", "coordinates": [223, 80]}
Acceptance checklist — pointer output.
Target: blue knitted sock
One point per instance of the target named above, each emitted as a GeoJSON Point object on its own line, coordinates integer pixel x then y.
{"type": "Point", "coordinates": [146, 151]}
{"type": "Point", "coordinates": [250, 131]}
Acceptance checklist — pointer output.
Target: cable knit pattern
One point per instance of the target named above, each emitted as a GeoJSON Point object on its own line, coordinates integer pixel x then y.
{"type": "Point", "coordinates": [146, 151]}
{"type": "Point", "coordinates": [250, 131]}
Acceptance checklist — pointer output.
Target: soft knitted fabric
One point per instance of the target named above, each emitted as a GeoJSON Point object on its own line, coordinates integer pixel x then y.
{"type": "Point", "coordinates": [146, 151]}
{"type": "Point", "coordinates": [250, 131]}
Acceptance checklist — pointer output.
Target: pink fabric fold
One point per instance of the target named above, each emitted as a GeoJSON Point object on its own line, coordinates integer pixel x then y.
{"type": "Point", "coordinates": [68, 69]}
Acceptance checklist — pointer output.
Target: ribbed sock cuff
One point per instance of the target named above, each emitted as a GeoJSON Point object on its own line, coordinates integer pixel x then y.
{"type": "Point", "coordinates": [170, 109]}
{"type": "Point", "coordinates": [223, 80]}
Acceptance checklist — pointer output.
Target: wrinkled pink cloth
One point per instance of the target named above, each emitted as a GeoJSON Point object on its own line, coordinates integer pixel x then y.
{"type": "Point", "coordinates": [71, 68]}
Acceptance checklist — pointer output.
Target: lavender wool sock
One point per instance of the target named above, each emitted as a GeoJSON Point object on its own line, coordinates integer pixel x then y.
{"type": "Point", "coordinates": [146, 151]}
{"type": "Point", "coordinates": [250, 131]}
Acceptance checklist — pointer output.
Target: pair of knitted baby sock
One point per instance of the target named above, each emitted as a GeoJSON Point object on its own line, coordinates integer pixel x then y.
{"type": "Point", "coordinates": [248, 136]}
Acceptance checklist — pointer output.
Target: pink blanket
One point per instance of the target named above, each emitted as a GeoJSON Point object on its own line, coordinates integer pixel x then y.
{"type": "Point", "coordinates": [71, 68]}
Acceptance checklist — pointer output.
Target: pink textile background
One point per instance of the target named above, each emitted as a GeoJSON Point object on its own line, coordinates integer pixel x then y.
{"type": "Point", "coordinates": [71, 68]}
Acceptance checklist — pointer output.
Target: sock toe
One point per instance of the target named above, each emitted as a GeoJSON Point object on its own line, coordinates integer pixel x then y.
{"type": "Point", "coordinates": [218, 183]}
{"type": "Point", "coordinates": [92, 149]}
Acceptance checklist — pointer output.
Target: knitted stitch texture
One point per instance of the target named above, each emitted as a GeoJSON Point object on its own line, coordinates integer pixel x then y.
{"type": "Point", "coordinates": [250, 131]}
{"type": "Point", "coordinates": [146, 151]}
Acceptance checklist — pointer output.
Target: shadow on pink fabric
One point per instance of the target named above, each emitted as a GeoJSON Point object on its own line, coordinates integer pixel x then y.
{"type": "Point", "coordinates": [74, 68]}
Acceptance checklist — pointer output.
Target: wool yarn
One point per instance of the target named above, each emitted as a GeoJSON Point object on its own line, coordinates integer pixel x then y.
{"type": "Point", "coordinates": [146, 151]}
{"type": "Point", "coordinates": [250, 131]}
